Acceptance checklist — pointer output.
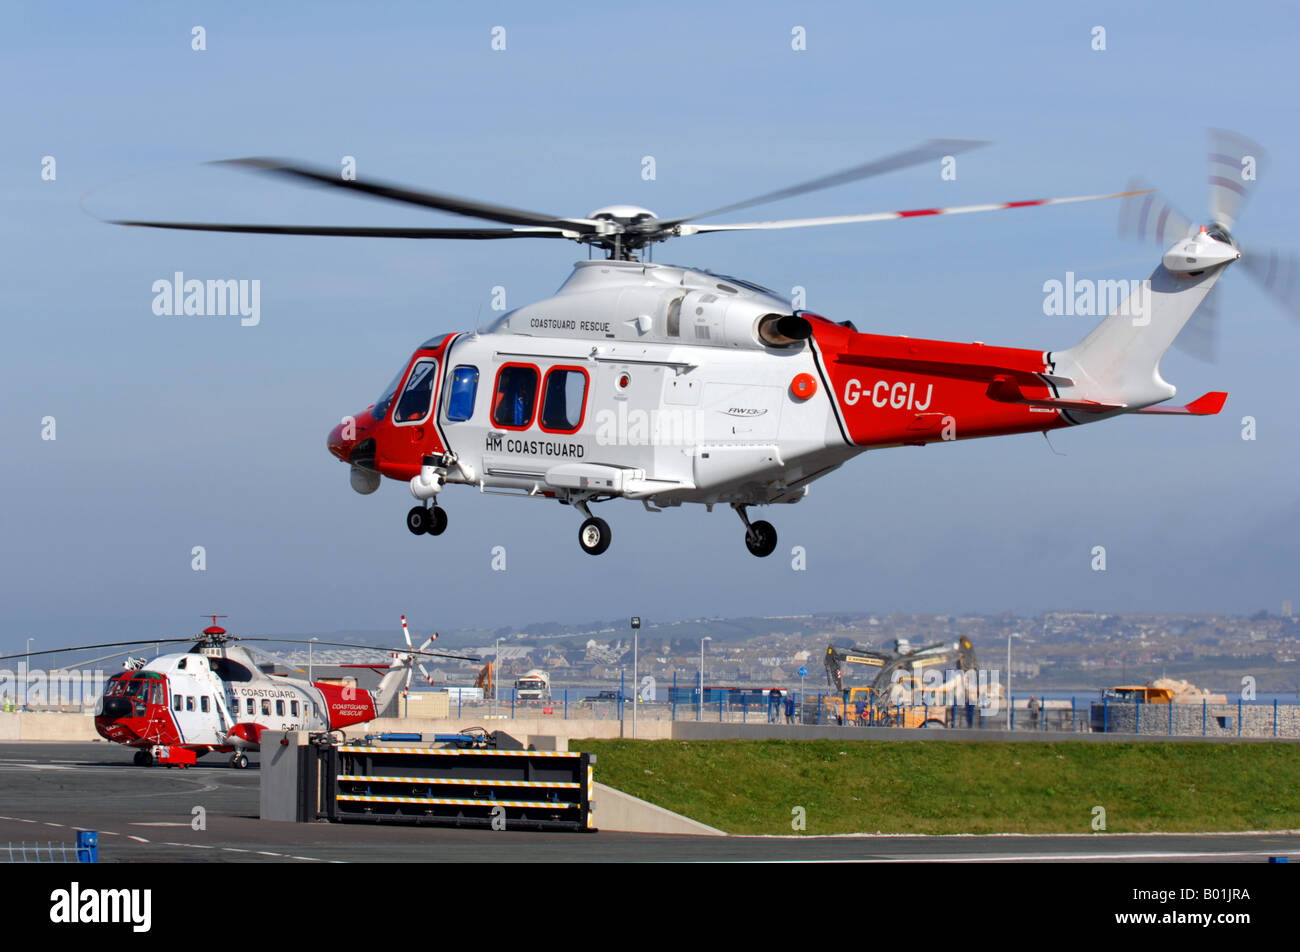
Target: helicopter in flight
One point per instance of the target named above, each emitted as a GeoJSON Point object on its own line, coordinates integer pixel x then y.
{"type": "Point", "coordinates": [668, 385]}
{"type": "Point", "coordinates": [215, 698]}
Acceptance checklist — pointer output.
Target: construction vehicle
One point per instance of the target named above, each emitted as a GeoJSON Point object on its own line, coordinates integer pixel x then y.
{"type": "Point", "coordinates": [486, 678]}
{"type": "Point", "coordinates": [534, 685]}
{"type": "Point", "coordinates": [900, 694]}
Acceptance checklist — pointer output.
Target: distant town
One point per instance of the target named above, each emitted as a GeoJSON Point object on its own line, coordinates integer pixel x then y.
{"type": "Point", "coordinates": [1058, 650]}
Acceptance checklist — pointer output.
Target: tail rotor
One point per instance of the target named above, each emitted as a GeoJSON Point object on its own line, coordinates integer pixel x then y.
{"type": "Point", "coordinates": [1235, 164]}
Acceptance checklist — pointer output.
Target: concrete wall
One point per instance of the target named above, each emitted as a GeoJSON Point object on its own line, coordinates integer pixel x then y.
{"type": "Point", "coordinates": [520, 727]}
{"type": "Point", "coordinates": [47, 726]}
{"type": "Point", "coordinates": [1216, 720]}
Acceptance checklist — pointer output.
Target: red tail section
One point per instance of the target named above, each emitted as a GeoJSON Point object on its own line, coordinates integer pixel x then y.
{"type": "Point", "coordinates": [901, 390]}
{"type": "Point", "coordinates": [346, 704]}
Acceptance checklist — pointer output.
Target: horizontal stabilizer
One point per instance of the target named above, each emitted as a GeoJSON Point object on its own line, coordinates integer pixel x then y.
{"type": "Point", "coordinates": [1005, 390]}
{"type": "Point", "coordinates": [1207, 405]}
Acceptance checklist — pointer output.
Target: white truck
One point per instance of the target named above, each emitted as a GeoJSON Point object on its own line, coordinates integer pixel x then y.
{"type": "Point", "coordinates": [534, 685]}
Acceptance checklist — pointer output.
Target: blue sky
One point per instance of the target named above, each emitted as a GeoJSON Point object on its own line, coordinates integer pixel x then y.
{"type": "Point", "coordinates": [177, 432]}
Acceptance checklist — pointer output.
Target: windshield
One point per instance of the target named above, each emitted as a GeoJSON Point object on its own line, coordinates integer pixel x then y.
{"type": "Point", "coordinates": [381, 406]}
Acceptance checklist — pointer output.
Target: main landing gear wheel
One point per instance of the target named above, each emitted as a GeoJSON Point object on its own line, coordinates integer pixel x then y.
{"type": "Point", "coordinates": [431, 520]}
{"type": "Point", "coordinates": [594, 536]}
{"type": "Point", "coordinates": [143, 758]}
{"type": "Point", "coordinates": [418, 520]}
{"type": "Point", "coordinates": [438, 521]}
{"type": "Point", "coordinates": [760, 538]}
{"type": "Point", "coordinates": [239, 761]}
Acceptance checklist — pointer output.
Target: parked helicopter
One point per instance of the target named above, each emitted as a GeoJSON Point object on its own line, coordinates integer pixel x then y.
{"type": "Point", "coordinates": [215, 698]}
{"type": "Point", "coordinates": [668, 385]}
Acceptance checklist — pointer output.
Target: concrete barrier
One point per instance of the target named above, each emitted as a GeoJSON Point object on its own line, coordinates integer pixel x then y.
{"type": "Point", "coordinates": [620, 812]}
{"type": "Point", "coordinates": [47, 726]}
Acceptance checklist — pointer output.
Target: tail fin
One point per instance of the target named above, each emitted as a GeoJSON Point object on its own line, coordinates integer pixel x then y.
{"type": "Point", "coordinates": [393, 681]}
{"type": "Point", "coordinates": [1119, 361]}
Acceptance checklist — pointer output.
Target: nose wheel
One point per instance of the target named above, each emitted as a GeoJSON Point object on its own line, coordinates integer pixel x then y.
{"type": "Point", "coordinates": [760, 536]}
{"type": "Point", "coordinates": [423, 520]}
{"type": "Point", "coordinates": [143, 758]}
{"type": "Point", "coordinates": [239, 761]}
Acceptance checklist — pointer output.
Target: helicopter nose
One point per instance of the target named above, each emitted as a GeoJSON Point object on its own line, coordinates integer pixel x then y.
{"type": "Point", "coordinates": [338, 446]}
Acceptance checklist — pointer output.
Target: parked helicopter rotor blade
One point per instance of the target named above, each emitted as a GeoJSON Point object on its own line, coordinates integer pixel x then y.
{"type": "Point", "coordinates": [1235, 165]}
{"type": "Point", "coordinates": [356, 231]}
{"type": "Point", "coordinates": [397, 193]}
{"type": "Point", "coordinates": [347, 644]}
{"type": "Point", "coordinates": [890, 216]}
{"type": "Point", "coordinates": [107, 644]}
{"type": "Point", "coordinates": [927, 151]}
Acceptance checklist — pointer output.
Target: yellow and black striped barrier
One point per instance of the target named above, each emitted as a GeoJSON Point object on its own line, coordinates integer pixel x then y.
{"type": "Point", "coordinates": [497, 788]}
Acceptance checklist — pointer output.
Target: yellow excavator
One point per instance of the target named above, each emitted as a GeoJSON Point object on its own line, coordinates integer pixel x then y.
{"type": "Point", "coordinates": [895, 697]}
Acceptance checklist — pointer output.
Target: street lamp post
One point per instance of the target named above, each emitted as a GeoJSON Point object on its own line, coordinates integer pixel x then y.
{"type": "Point", "coordinates": [1010, 635]}
{"type": "Point", "coordinates": [496, 678]}
{"type": "Point", "coordinates": [699, 707]}
{"type": "Point", "coordinates": [636, 683]}
{"type": "Point", "coordinates": [27, 673]}
{"type": "Point", "coordinates": [309, 658]}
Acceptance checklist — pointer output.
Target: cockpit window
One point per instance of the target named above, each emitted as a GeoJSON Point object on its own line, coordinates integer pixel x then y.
{"type": "Point", "coordinates": [418, 395]}
{"type": "Point", "coordinates": [383, 403]}
{"type": "Point", "coordinates": [461, 394]}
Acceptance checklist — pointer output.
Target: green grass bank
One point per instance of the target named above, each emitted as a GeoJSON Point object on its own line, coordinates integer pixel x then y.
{"type": "Point", "coordinates": [950, 787]}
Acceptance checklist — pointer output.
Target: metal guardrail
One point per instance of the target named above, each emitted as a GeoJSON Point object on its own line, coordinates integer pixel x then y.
{"type": "Point", "coordinates": [84, 850]}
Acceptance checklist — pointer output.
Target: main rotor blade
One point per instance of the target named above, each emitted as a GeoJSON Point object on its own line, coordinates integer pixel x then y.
{"type": "Point", "coordinates": [925, 152]}
{"type": "Point", "coordinates": [349, 231]}
{"type": "Point", "coordinates": [1235, 165]}
{"type": "Point", "coordinates": [447, 203]}
{"type": "Point", "coordinates": [890, 216]}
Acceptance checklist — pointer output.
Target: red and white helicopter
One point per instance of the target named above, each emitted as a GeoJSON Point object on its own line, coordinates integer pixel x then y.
{"type": "Point", "coordinates": [669, 385]}
{"type": "Point", "coordinates": [215, 698]}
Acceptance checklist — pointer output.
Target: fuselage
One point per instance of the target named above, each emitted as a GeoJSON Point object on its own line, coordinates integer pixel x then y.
{"type": "Point", "coordinates": [671, 385]}
{"type": "Point", "coordinates": [218, 699]}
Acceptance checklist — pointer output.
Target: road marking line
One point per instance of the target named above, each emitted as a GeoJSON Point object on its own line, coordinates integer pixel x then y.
{"type": "Point", "coordinates": [138, 839]}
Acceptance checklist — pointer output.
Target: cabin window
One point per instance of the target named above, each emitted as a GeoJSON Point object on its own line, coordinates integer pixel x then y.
{"type": "Point", "coordinates": [418, 395]}
{"type": "Point", "coordinates": [564, 398]}
{"type": "Point", "coordinates": [189, 702]}
{"type": "Point", "coordinates": [293, 708]}
{"type": "Point", "coordinates": [266, 707]}
{"type": "Point", "coordinates": [250, 707]}
{"type": "Point", "coordinates": [176, 702]}
{"type": "Point", "coordinates": [516, 395]}
{"type": "Point", "coordinates": [461, 394]}
{"type": "Point", "coordinates": [279, 709]}
{"type": "Point", "coordinates": [159, 694]}
{"type": "Point", "coordinates": [204, 704]}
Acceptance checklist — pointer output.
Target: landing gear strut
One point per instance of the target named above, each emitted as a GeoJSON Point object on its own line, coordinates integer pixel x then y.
{"type": "Point", "coordinates": [760, 536]}
{"type": "Point", "coordinates": [239, 761]}
{"type": "Point", "coordinates": [431, 520]}
{"type": "Point", "coordinates": [594, 534]}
